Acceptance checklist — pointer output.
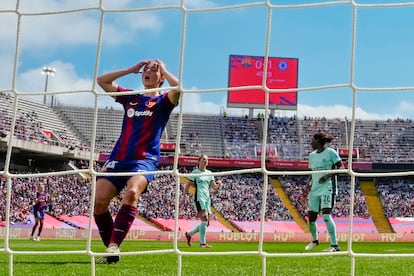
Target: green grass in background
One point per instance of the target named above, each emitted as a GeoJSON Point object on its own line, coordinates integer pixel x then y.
{"type": "Point", "coordinates": [167, 263]}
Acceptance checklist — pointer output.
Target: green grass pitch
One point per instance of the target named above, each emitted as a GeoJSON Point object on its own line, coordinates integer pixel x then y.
{"type": "Point", "coordinates": [167, 263]}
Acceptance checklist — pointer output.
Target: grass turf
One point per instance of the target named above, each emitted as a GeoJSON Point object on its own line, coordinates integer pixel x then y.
{"type": "Point", "coordinates": [195, 264]}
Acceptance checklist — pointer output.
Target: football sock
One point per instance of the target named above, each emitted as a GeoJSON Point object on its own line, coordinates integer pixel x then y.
{"type": "Point", "coordinates": [105, 224]}
{"type": "Point", "coordinates": [313, 228]}
{"type": "Point", "coordinates": [33, 229]}
{"type": "Point", "coordinates": [40, 229]}
{"type": "Point", "coordinates": [330, 226]}
{"type": "Point", "coordinates": [203, 228]}
{"type": "Point", "coordinates": [195, 231]}
{"type": "Point", "coordinates": [123, 222]}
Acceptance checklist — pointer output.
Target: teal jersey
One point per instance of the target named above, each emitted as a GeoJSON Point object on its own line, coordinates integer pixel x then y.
{"type": "Point", "coordinates": [324, 160]}
{"type": "Point", "coordinates": [202, 184]}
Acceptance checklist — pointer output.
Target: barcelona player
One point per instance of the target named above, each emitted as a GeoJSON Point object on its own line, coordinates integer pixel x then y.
{"type": "Point", "coordinates": [136, 150]}
{"type": "Point", "coordinates": [39, 212]}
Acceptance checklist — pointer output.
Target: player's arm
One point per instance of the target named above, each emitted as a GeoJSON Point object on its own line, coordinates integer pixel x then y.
{"type": "Point", "coordinates": [216, 184]}
{"type": "Point", "coordinates": [187, 186]}
{"type": "Point", "coordinates": [173, 95]}
{"type": "Point", "coordinates": [107, 80]}
{"type": "Point", "coordinates": [338, 165]}
{"type": "Point", "coordinates": [36, 199]}
{"type": "Point", "coordinates": [186, 191]}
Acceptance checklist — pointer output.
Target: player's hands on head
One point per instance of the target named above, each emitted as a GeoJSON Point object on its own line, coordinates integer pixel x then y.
{"type": "Point", "coordinates": [161, 66]}
{"type": "Point", "coordinates": [137, 67]}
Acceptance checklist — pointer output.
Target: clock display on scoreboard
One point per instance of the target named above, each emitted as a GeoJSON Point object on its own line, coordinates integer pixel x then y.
{"type": "Point", "coordinates": [282, 73]}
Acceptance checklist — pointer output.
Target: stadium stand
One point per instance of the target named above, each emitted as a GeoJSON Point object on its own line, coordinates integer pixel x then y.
{"type": "Point", "coordinates": [375, 207]}
{"type": "Point", "coordinates": [81, 120]}
{"type": "Point", "coordinates": [70, 205]}
{"type": "Point", "coordinates": [217, 136]}
{"type": "Point", "coordinates": [38, 122]}
{"type": "Point", "coordinates": [238, 204]}
{"type": "Point", "coordinates": [236, 137]}
{"type": "Point", "coordinates": [200, 134]}
{"type": "Point", "coordinates": [240, 136]}
{"type": "Point", "coordinates": [284, 197]}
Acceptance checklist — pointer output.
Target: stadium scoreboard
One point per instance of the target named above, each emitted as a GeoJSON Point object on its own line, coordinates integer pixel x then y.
{"type": "Point", "coordinates": [281, 73]}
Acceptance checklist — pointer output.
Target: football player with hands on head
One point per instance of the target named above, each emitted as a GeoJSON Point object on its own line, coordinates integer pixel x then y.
{"type": "Point", "coordinates": [136, 150]}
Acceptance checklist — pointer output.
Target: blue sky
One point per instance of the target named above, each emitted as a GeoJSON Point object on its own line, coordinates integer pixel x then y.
{"type": "Point", "coordinates": [319, 36]}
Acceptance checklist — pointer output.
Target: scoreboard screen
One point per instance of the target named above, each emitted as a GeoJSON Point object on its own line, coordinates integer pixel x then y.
{"type": "Point", "coordinates": [282, 73]}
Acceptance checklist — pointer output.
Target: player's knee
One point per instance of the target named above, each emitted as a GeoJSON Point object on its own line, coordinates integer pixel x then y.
{"type": "Point", "coordinates": [101, 206]}
{"type": "Point", "coordinates": [326, 217]}
{"type": "Point", "coordinates": [203, 215]}
{"type": "Point", "coordinates": [134, 191]}
{"type": "Point", "coordinates": [131, 195]}
{"type": "Point", "coordinates": [312, 216]}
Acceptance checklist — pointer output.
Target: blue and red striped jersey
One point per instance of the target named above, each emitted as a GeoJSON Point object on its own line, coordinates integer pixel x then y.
{"type": "Point", "coordinates": [144, 121]}
{"type": "Point", "coordinates": [40, 204]}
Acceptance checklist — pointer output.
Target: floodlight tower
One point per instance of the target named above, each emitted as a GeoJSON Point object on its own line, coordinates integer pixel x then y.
{"type": "Point", "coordinates": [47, 71]}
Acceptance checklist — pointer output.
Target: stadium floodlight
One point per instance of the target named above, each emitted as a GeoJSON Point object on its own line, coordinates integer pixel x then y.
{"type": "Point", "coordinates": [47, 71]}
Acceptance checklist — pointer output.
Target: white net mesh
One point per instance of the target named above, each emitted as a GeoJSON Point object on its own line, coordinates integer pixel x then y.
{"type": "Point", "coordinates": [30, 20]}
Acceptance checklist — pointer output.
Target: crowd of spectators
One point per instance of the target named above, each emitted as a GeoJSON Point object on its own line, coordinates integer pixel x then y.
{"type": "Point", "coordinates": [69, 195]}
{"type": "Point", "coordinates": [284, 133]}
{"type": "Point", "coordinates": [295, 187]}
{"type": "Point", "coordinates": [239, 199]}
{"type": "Point", "coordinates": [240, 136]}
{"type": "Point", "coordinates": [397, 196]}
{"type": "Point", "coordinates": [376, 140]}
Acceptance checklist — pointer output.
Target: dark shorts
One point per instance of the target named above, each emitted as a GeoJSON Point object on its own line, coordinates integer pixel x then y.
{"type": "Point", "coordinates": [120, 182]}
{"type": "Point", "coordinates": [39, 214]}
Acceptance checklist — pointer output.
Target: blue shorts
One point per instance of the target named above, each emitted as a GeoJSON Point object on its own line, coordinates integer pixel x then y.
{"type": "Point", "coordinates": [120, 182]}
{"type": "Point", "coordinates": [38, 214]}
